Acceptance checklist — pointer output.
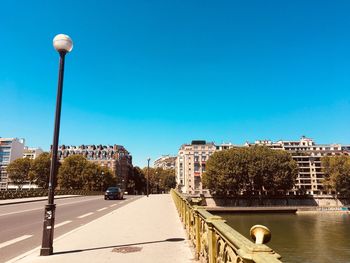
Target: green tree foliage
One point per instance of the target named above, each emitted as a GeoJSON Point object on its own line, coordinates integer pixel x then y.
{"type": "Point", "coordinates": [18, 171]}
{"type": "Point", "coordinates": [337, 174]}
{"type": "Point", "coordinates": [76, 172]}
{"type": "Point", "coordinates": [40, 170]}
{"type": "Point", "coordinates": [109, 178]}
{"type": "Point", "coordinates": [71, 172]}
{"type": "Point", "coordinates": [160, 180]}
{"type": "Point", "coordinates": [97, 178]}
{"type": "Point", "coordinates": [253, 170]}
{"type": "Point", "coordinates": [137, 181]}
{"type": "Point", "coordinates": [272, 170]}
{"type": "Point", "coordinates": [92, 177]}
{"type": "Point", "coordinates": [227, 172]}
{"type": "Point", "coordinates": [167, 180]}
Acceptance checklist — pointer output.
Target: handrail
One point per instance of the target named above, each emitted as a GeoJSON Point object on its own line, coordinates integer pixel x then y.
{"type": "Point", "coordinates": [215, 241]}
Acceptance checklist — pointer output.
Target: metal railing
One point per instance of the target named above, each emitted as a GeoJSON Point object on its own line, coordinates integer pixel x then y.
{"type": "Point", "coordinates": [216, 242]}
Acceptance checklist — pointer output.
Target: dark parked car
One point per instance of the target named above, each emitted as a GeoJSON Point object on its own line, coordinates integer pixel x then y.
{"type": "Point", "coordinates": [114, 193]}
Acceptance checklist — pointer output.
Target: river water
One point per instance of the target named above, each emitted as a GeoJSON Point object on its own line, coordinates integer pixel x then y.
{"type": "Point", "coordinates": [314, 237]}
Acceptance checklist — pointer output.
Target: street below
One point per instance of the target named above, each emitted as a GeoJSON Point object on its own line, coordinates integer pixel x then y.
{"type": "Point", "coordinates": [21, 225]}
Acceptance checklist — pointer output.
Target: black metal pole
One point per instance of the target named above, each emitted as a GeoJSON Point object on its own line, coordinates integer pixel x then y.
{"type": "Point", "coordinates": [49, 216]}
{"type": "Point", "coordinates": [102, 174]}
{"type": "Point", "coordinates": [148, 175]}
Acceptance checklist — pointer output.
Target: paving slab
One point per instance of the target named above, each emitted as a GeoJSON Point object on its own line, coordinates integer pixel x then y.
{"type": "Point", "coordinates": [146, 230]}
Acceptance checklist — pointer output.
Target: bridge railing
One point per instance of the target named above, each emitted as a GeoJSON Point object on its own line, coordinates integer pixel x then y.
{"type": "Point", "coordinates": [215, 241]}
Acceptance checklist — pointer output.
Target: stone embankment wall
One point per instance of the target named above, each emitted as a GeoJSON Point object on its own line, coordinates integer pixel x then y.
{"type": "Point", "coordinates": [324, 200]}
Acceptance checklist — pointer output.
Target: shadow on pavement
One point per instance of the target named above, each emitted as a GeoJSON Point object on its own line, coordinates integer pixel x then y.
{"type": "Point", "coordinates": [175, 239]}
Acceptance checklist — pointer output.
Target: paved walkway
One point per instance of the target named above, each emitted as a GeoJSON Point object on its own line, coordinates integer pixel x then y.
{"type": "Point", "coordinates": [146, 230]}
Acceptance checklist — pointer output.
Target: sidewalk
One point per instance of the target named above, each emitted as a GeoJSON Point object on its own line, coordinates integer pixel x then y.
{"type": "Point", "coordinates": [146, 230]}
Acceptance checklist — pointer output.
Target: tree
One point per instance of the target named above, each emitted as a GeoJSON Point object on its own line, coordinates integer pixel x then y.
{"type": "Point", "coordinates": [160, 180]}
{"type": "Point", "coordinates": [337, 174]}
{"type": "Point", "coordinates": [169, 182]}
{"type": "Point", "coordinates": [92, 177]}
{"type": "Point", "coordinates": [150, 174]}
{"type": "Point", "coordinates": [18, 171]}
{"type": "Point", "coordinates": [108, 179]}
{"type": "Point", "coordinates": [71, 172]}
{"type": "Point", "coordinates": [137, 181]}
{"type": "Point", "coordinates": [253, 170]}
{"type": "Point", "coordinates": [76, 172]}
{"type": "Point", "coordinates": [272, 170]}
{"type": "Point", "coordinates": [40, 170]}
{"type": "Point", "coordinates": [227, 172]}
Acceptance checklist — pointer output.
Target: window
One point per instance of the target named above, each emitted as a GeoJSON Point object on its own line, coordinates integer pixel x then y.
{"type": "Point", "coordinates": [196, 168]}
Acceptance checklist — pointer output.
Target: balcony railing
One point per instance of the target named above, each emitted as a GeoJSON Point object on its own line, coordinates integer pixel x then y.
{"type": "Point", "coordinates": [216, 242]}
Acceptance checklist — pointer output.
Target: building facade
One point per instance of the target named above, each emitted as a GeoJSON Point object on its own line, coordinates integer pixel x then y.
{"type": "Point", "coordinates": [191, 161]}
{"type": "Point", "coordinates": [10, 150]}
{"type": "Point", "coordinates": [115, 157]}
{"type": "Point", "coordinates": [308, 156]}
{"type": "Point", "coordinates": [190, 164]}
{"type": "Point", "coordinates": [31, 153]}
{"type": "Point", "coordinates": [165, 162]}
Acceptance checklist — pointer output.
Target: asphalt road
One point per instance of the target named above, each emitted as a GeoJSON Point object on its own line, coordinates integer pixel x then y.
{"type": "Point", "coordinates": [21, 225]}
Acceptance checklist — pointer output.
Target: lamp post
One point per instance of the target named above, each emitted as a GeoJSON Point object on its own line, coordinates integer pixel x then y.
{"type": "Point", "coordinates": [148, 159]}
{"type": "Point", "coordinates": [102, 174]}
{"type": "Point", "coordinates": [63, 44]}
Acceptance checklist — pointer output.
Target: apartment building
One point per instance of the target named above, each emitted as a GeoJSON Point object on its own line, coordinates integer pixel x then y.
{"type": "Point", "coordinates": [115, 157]}
{"type": "Point", "coordinates": [165, 162]}
{"type": "Point", "coordinates": [10, 150]}
{"type": "Point", "coordinates": [190, 164]}
{"type": "Point", "coordinates": [31, 152]}
{"type": "Point", "coordinates": [308, 156]}
{"type": "Point", "coordinates": [191, 161]}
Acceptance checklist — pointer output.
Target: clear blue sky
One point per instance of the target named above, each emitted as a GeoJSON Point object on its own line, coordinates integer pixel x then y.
{"type": "Point", "coordinates": [152, 75]}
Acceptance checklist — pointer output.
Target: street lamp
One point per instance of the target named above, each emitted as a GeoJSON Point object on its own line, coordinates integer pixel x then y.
{"type": "Point", "coordinates": [148, 159]}
{"type": "Point", "coordinates": [102, 181]}
{"type": "Point", "coordinates": [63, 44]}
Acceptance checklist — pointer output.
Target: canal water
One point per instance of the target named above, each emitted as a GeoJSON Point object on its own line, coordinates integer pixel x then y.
{"type": "Point", "coordinates": [314, 237]}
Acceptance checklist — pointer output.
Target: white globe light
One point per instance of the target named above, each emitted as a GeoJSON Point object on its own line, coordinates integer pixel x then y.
{"type": "Point", "coordinates": [62, 42]}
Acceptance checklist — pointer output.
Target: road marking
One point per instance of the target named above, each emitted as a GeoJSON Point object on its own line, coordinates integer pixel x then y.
{"type": "Point", "coordinates": [102, 209]}
{"type": "Point", "coordinates": [42, 208]}
{"type": "Point", "coordinates": [22, 211]}
{"type": "Point", "coordinates": [37, 249]}
{"type": "Point", "coordinates": [63, 223]}
{"type": "Point", "coordinates": [10, 242]}
{"type": "Point", "coordinates": [82, 216]}
{"type": "Point", "coordinates": [112, 205]}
